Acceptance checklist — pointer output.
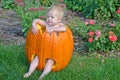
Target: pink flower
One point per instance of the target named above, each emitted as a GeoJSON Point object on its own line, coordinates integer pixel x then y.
{"type": "Point", "coordinates": [41, 8]}
{"type": "Point", "coordinates": [112, 38]}
{"type": "Point", "coordinates": [90, 40]}
{"type": "Point", "coordinates": [86, 23]}
{"type": "Point", "coordinates": [112, 25]}
{"type": "Point", "coordinates": [98, 33]}
{"type": "Point", "coordinates": [111, 33]}
{"type": "Point", "coordinates": [118, 11]}
{"type": "Point", "coordinates": [32, 9]}
{"type": "Point", "coordinates": [36, 9]}
{"type": "Point", "coordinates": [91, 22]}
{"type": "Point", "coordinates": [91, 33]}
{"type": "Point", "coordinates": [61, 0]}
{"type": "Point", "coordinates": [19, 2]}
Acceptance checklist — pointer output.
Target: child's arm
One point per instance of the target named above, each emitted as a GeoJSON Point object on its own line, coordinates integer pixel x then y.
{"type": "Point", "coordinates": [34, 24]}
{"type": "Point", "coordinates": [61, 28]}
{"type": "Point", "coordinates": [58, 28]}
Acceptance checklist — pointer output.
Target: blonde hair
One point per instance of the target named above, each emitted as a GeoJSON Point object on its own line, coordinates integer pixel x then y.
{"type": "Point", "coordinates": [59, 9]}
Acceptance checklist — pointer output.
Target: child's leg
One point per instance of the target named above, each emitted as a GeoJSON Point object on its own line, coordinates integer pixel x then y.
{"type": "Point", "coordinates": [47, 69]}
{"type": "Point", "coordinates": [33, 66]}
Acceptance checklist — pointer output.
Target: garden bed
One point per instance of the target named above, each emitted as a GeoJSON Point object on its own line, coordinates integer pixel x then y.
{"type": "Point", "coordinates": [10, 28]}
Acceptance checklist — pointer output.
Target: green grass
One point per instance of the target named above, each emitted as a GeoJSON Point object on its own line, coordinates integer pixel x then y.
{"type": "Point", "coordinates": [13, 65]}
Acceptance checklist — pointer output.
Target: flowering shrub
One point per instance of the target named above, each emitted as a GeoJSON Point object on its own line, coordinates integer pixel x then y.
{"type": "Point", "coordinates": [98, 37]}
{"type": "Point", "coordinates": [104, 39]}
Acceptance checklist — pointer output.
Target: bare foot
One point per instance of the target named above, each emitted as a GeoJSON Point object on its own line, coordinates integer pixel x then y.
{"type": "Point", "coordinates": [26, 75]}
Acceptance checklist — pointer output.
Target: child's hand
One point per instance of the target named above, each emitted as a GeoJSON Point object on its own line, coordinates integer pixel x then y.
{"type": "Point", "coordinates": [50, 30]}
{"type": "Point", "coordinates": [34, 30]}
{"type": "Point", "coordinates": [34, 25]}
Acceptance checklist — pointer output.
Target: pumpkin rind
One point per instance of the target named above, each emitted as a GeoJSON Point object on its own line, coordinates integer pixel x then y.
{"type": "Point", "coordinates": [31, 39]}
{"type": "Point", "coordinates": [56, 46]}
{"type": "Point", "coordinates": [30, 45]}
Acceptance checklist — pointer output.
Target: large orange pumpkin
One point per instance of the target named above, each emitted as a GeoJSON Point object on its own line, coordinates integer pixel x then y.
{"type": "Point", "coordinates": [57, 46]}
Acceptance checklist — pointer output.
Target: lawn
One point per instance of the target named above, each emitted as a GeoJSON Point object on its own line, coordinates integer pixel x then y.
{"type": "Point", "coordinates": [14, 64]}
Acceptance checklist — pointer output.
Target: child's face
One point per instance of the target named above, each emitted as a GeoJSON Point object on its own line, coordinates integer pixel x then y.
{"type": "Point", "coordinates": [52, 18]}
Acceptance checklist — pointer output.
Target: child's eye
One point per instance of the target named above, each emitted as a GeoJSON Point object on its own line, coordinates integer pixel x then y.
{"type": "Point", "coordinates": [52, 17]}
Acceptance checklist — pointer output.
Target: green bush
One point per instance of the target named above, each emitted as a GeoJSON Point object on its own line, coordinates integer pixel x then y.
{"type": "Point", "coordinates": [95, 9]}
{"type": "Point", "coordinates": [8, 4]}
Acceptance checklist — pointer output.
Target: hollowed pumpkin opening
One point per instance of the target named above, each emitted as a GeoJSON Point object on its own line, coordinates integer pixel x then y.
{"type": "Point", "coordinates": [33, 56]}
{"type": "Point", "coordinates": [53, 64]}
{"type": "Point", "coordinates": [41, 28]}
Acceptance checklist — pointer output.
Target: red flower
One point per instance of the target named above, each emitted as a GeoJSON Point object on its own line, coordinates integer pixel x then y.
{"type": "Point", "coordinates": [112, 38]}
{"type": "Point", "coordinates": [90, 40]}
{"type": "Point", "coordinates": [118, 11]}
{"type": "Point", "coordinates": [111, 33]}
{"type": "Point", "coordinates": [91, 33]}
{"type": "Point", "coordinates": [91, 22]}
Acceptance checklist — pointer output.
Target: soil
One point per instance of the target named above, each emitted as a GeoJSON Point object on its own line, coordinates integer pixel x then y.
{"type": "Point", "coordinates": [10, 28]}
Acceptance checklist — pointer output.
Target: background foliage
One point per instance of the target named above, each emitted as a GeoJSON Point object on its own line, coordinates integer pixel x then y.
{"type": "Point", "coordinates": [102, 12]}
{"type": "Point", "coordinates": [97, 9]}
